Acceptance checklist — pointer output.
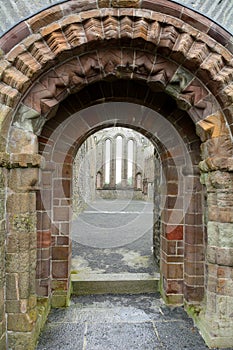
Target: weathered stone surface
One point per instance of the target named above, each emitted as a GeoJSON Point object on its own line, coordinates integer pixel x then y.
{"type": "Point", "coordinates": [211, 66]}
{"type": "Point", "coordinates": [212, 126]}
{"type": "Point", "coordinates": [44, 18]}
{"type": "Point", "coordinates": [125, 3]}
{"type": "Point", "coordinates": [21, 203]}
{"type": "Point", "coordinates": [75, 32]}
{"type": "Point", "coordinates": [27, 64]}
{"type": "Point", "coordinates": [197, 54]}
{"type": "Point", "coordinates": [57, 42]}
{"type": "Point", "coordinates": [16, 79]}
{"type": "Point", "coordinates": [42, 53]}
{"type": "Point", "coordinates": [8, 96]}
{"type": "Point", "coordinates": [220, 234]}
{"type": "Point", "coordinates": [217, 147]}
{"type": "Point", "coordinates": [26, 119]}
{"type": "Point", "coordinates": [78, 6]}
{"type": "Point", "coordinates": [22, 322]}
{"type": "Point", "coordinates": [23, 179]}
{"type": "Point", "coordinates": [12, 282]}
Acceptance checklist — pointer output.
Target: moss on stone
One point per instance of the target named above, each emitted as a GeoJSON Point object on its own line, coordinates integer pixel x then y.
{"type": "Point", "coordinates": [24, 222]}
{"type": "Point", "coordinates": [193, 310]}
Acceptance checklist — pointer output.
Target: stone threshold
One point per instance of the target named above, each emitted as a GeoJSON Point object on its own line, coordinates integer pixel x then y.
{"type": "Point", "coordinates": [115, 283]}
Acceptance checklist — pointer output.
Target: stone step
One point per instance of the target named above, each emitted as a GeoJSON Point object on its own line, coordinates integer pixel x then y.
{"type": "Point", "coordinates": [115, 283]}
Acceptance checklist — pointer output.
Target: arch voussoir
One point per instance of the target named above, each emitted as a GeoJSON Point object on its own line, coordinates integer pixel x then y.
{"type": "Point", "coordinates": [56, 41]}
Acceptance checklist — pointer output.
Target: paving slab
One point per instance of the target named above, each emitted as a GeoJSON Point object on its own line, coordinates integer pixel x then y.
{"type": "Point", "coordinates": [120, 322]}
{"type": "Point", "coordinates": [113, 236]}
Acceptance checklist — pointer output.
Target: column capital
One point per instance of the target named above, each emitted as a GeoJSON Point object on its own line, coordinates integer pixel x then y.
{"type": "Point", "coordinates": [21, 160]}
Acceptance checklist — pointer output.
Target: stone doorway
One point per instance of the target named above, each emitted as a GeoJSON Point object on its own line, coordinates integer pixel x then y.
{"type": "Point", "coordinates": [168, 59]}
{"type": "Point", "coordinates": [176, 192]}
{"type": "Point", "coordinates": [112, 227]}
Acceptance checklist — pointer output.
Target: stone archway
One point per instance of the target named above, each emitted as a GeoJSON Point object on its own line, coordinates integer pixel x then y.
{"type": "Point", "coordinates": [52, 72]}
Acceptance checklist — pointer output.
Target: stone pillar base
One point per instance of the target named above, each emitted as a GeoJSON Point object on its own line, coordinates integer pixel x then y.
{"type": "Point", "coordinates": [61, 298]}
{"type": "Point", "coordinates": [28, 340]}
{"type": "Point", "coordinates": [217, 334]}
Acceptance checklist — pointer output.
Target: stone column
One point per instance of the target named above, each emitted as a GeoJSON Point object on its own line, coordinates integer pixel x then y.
{"type": "Point", "coordinates": [216, 320]}
{"type": "Point", "coordinates": [21, 257]}
{"type": "Point", "coordinates": [2, 258]}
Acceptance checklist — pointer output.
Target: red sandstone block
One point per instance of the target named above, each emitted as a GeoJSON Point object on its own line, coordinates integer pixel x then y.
{"type": "Point", "coordinates": [198, 21]}
{"type": "Point", "coordinates": [193, 219]}
{"type": "Point", "coordinates": [169, 247]}
{"type": "Point", "coordinates": [55, 231]}
{"type": "Point", "coordinates": [174, 259]}
{"type": "Point", "coordinates": [194, 268]}
{"type": "Point", "coordinates": [174, 232]}
{"type": "Point", "coordinates": [61, 214]}
{"type": "Point", "coordinates": [63, 240]}
{"type": "Point", "coordinates": [60, 253]}
{"type": "Point", "coordinates": [62, 188]}
{"type": "Point", "coordinates": [163, 6]}
{"type": "Point", "coordinates": [43, 200]}
{"type": "Point", "coordinates": [14, 36]}
{"type": "Point", "coordinates": [43, 239]}
{"type": "Point", "coordinates": [180, 251]}
{"type": "Point", "coordinates": [45, 17]}
{"type": "Point", "coordinates": [192, 294]}
{"type": "Point", "coordinates": [194, 280]}
{"type": "Point", "coordinates": [42, 290]}
{"type": "Point", "coordinates": [172, 188]}
{"type": "Point", "coordinates": [172, 174]}
{"type": "Point", "coordinates": [194, 234]}
{"type": "Point", "coordinates": [43, 254]}
{"type": "Point", "coordinates": [60, 269]}
{"type": "Point", "coordinates": [53, 239]}
{"type": "Point", "coordinates": [172, 270]}
{"type": "Point", "coordinates": [174, 201]}
{"type": "Point", "coordinates": [174, 287]}
{"type": "Point", "coordinates": [43, 268]}
{"type": "Point", "coordinates": [194, 252]}
{"type": "Point", "coordinates": [219, 34]}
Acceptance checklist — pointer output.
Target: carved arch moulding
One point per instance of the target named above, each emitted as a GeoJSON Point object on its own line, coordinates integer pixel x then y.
{"type": "Point", "coordinates": [38, 72]}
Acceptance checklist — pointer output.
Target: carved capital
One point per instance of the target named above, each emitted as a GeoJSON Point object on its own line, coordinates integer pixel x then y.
{"type": "Point", "coordinates": [21, 160]}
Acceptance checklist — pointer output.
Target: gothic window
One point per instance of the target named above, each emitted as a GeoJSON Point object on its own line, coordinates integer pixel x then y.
{"type": "Point", "coordinates": [118, 160]}
{"type": "Point", "coordinates": [130, 151]}
{"type": "Point", "coordinates": [107, 161]}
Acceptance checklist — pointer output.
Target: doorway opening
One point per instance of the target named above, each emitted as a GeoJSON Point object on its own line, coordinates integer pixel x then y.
{"type": "Point", "coordinates": [113, 207]}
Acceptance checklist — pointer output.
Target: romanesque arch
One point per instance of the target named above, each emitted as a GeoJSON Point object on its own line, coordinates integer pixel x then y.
{"type": "Point", "coordinates": [69, 58]}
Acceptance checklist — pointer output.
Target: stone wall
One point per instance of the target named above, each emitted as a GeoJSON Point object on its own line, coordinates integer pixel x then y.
{"type": "Point", "coordinates": [3, 175]}
{"type": "Point", "coordinates": [84, 176]}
